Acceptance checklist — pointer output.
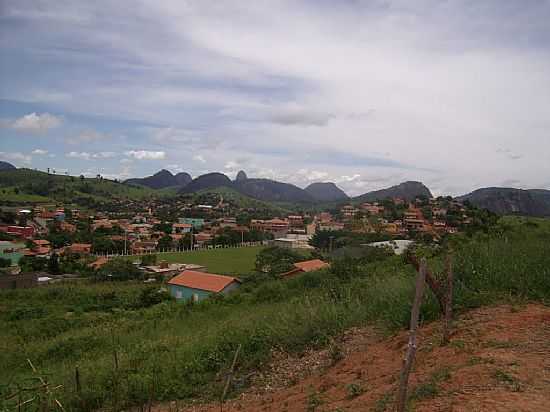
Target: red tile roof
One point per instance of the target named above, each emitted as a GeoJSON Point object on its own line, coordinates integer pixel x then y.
{"type": "Point", "coordinates": [41, 242]}
{"type": "Point", "coordinates": [100, 261]}
{"type": "Point", "coordinates": [80, 247]}
{"type": "Point", "coordinates": [201, 280]}
{"type": "Point", "coordinates": [311, 265]}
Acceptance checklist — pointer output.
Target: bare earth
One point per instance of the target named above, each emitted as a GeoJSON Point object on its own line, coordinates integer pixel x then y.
{"type": "Point", "coordinates": [498, 360]}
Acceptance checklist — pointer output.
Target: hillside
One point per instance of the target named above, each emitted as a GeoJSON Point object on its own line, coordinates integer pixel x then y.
{"type": "Point", "coordinates": [26, 185]}
{"type": "Point", "coordinates": [326, 192]}
{"type": "Point", "coordinates": [161, 180]}
{"type": "Point", "coordinates": [495, 355]}
{"type": "Point", "coordinates": [407, 190]}
{"type": "Point", "coordinates": [238, 200]}
{"type": "Point", "coordinates": [534, 202]}
{"type": "Point", "coordinates": [6, 166]}
{"type": "Point", "coordinates": [496, 362]}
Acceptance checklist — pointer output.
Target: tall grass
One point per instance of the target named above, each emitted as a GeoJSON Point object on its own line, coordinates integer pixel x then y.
{"type": "Point", "coordinates": [176, 351]}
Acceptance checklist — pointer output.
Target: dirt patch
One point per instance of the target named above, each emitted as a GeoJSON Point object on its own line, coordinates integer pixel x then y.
{"type": "Point", "coordinates": [498, 360]}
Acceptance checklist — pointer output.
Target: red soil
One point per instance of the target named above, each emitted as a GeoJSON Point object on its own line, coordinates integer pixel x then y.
{"type": "Point", "coordinates": [498, 360]}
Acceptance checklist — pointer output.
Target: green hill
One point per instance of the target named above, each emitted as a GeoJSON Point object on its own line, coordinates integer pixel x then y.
{"type": "Point", "coordinates": [31, 186]}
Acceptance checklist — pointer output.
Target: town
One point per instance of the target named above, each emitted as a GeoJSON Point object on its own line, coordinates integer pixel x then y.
{"type": "Point", "coordinates": [43, 241]}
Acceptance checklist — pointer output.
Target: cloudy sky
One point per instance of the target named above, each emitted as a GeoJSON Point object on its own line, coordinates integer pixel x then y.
{"type": "Point", "coordinates": [362, 93]}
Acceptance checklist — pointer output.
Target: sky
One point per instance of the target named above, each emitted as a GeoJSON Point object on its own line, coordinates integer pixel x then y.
{"type": "Point", "coordinates": [365, 94]}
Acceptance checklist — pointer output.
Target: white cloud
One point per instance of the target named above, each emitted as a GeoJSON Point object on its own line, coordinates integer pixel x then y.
{"type": "Point", "coordinates": [39, 152]}
{"type": "Point", "coordinates": [199, 158]}
{"type": "Point", "coordinates": [146, 154]}
{"type": "Point", "coordinates": [311, 175]}
{"type": "Point", "coordinates": [36, 123]}
{"type": "Point", "coordinates": [16, 157]}
{"type": "Point", "coordinates": [79, 155]}
{"type": "Point", "coordinates": [349, 178]}
{"type": "Point", "coordinates": [91, 156]}
{"type": "Point", "coordinates": [104, 155]}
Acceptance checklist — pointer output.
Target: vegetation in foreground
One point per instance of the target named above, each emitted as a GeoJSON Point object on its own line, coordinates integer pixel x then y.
{"type": "Point", "coordinates": [131, 345]}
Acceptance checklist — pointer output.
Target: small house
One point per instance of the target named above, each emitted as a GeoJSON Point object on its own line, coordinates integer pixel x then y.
{"type": "Point", "coordinates": [197, 286]}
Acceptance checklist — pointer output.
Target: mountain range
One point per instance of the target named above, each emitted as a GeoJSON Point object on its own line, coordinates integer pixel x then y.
{"type": "Point", "coordinates": [532, 202]}
{"type": "Point", "coordinates": [274, 191]}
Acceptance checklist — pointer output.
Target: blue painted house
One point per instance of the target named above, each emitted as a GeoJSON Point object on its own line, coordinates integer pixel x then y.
{"type": "Point", "coordinates": [196, 222]}
{"type": "Point", "coordinates": [197, 286]}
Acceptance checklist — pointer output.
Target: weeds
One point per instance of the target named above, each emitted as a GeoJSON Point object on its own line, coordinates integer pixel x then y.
{"type": "Point", "coordinates": [510, 381]}
{"type": "Point", "coordinates": [313, 401]}
{"type": "Point", "coordinates": [354, 390]}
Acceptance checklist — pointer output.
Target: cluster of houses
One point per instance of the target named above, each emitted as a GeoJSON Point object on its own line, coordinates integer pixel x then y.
{"type": "Point", "coordinates": [140, 234]}
{"type": "Point", "coordinates": [429, 217]}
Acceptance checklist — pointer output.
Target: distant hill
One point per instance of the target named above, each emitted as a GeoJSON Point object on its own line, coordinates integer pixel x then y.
{"type": "Point", "coordinates": [32, 186]}
{"type": "Point", "coordinates": [161, 179]}
{"type": "Point", "coordinates": [407, 191]}
{"type": "Point", "coordinates": [326, 192]}
{"type": "Point", "coordinates": [534, 202]}
{"type": "Point", "coordinates": [183, 179]}
{"type": "Point", "coordinates": [272, 191]}
{"type": "Point", "coordinates": [241, 176]}
{"type": "Point", "coordinates": [6, 166]}
{"type": "Point", "coordinates": [208, 181]}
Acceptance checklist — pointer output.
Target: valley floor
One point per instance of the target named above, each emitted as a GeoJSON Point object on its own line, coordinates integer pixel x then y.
{"type": "Point", "coordinates": [498, 360]}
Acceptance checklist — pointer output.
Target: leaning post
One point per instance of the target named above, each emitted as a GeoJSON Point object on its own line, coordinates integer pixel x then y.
{"type": "Point", "coordinates": [411, 347]}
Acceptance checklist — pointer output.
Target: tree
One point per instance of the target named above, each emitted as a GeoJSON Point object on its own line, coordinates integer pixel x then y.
{"type": "Point", "coordinates": [53, 264]}
{"type": "Point", "coordinates": [32, 264]}
{"type": "Point", "coordinates": [4, 263]}
{"type": "Point", "coordinates": [322, 239]}
{"type": "Point", "coordinates": [149, 260]}
{"type": "Point", "coordinates": [165, 227]}
{"type": "Point", "coordinates": [276, 260]}
{"type": "Point", "coordinates": [102, 244]}
{"type": "Point", "coordinates": [119, 269]}
{"type": "Point", "coordinates": [165, 243]}
{"type": "Point", "coordinates": [185, 241]}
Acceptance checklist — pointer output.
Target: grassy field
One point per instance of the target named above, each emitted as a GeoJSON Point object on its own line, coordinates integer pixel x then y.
{"type": "Point", "coordinates": [129, 348]}
{"type": "Point", "coordinates": [231, 261]}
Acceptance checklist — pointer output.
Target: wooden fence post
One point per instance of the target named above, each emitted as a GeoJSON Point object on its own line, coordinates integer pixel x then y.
{"type": "Point", "coordinates": [448, 322]}
{"type": "Point", "coordinates": [411, 347]}
{"type": "Point", "coordinates": [229, 377]}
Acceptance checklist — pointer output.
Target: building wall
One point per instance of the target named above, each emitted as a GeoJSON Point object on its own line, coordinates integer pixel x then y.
{"type": "Point", "coordinates": [184, 293]}
{"type": "Point", "coordinates": [24, 281]}
{"type": "Point", "coordinates": [196, 222]}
